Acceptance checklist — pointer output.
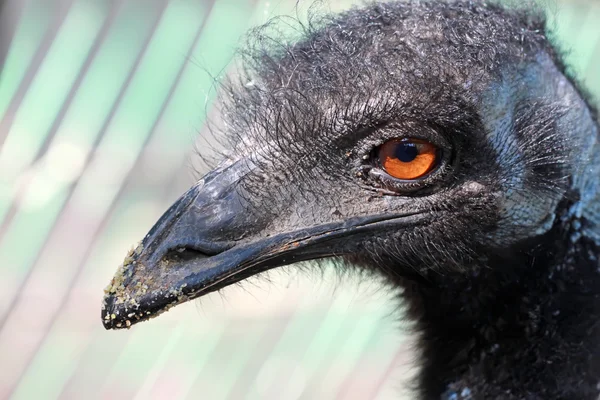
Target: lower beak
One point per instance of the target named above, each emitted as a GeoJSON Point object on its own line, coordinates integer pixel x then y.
{"type": "Point", "coordinates": [187, 254]}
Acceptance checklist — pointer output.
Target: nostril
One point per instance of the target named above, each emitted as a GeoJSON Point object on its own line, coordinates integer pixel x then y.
{"type": "Point", "coordinates": [184, 254]}
{"type": "Point", "coordinates": [195, 250]}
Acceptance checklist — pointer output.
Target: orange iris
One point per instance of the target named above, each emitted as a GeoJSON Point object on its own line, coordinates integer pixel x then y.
{"type": "Point", "coordinates": [408, 159]}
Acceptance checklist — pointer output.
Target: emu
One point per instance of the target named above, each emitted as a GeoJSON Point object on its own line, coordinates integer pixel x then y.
{"type": "Point", "coordinates": [442, 145]}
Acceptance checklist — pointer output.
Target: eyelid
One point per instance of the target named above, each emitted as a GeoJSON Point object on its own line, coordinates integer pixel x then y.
{"type": "Point", "coordinates": [399, 130]}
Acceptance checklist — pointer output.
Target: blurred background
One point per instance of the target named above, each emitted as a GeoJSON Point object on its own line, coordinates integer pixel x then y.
{"type": "Point", "coordinates": [101, 105]}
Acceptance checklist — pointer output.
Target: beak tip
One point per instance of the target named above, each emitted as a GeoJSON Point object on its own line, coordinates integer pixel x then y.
{"type": "Point", "coordinates": [111, 318]}
{"type": "Point", "coordinates": [125, 307]}
{"type": "Point", "coordinates": [112, 315]}
{"type": "Point", "coordinates": [107, 314]}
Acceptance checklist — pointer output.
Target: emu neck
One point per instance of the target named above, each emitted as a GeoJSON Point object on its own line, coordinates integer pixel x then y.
{"type": "Point", "coordinates": [525, 326]}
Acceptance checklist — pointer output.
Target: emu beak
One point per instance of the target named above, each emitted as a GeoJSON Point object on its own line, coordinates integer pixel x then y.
{"type": "Point", "coordinates": [207, 240]}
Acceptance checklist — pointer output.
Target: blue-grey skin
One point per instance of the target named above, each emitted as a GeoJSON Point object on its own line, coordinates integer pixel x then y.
{"type": "Point", "coordinates": [495, 250]}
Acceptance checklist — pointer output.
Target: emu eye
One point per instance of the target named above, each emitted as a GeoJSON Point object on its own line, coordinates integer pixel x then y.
{"type": "Point", "coordinates": [408, 159]}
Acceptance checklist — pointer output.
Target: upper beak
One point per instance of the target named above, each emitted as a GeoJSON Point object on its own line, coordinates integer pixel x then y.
{"type": "Point", "coordinates": [208, 240]}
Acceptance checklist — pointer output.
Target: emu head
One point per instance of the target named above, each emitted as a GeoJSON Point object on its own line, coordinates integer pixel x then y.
{"type": "Point", "coordinates": [402, 137]}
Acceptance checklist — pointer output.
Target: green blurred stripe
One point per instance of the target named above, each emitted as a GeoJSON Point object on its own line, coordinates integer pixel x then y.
{"type": "Point", "coordinates": [46, 381]}
{"type": "Point", "coordinates": [144, 390]}
{"type": "Point", "coordinates": [185, 114]}
{"type": "Point", "coordinates": [101, 87]}
{"type": "Point", "coordinates": [99, 91]}
{"type": "Point", "coordinates": [192, 356]}
{"type": "Point", "coordinates": [228, 360]}
{"type": "Point", "coordinates": [569, 17]}
{"type": "Point", "coordinates": [51, 85]}
{"type": "Point", "coordinates": [172, 27]}
{"type": "Point", "coordinates": [592, 71]}
{"type": "Point", "coordinates": [136, 360]}
{"type": "Point", "coordinates": [105, 78]}
{"type": "Point", "coordinates": [350, 353]}
{"type": "Point", "coordinates": [25, 236]}
{"type": "Point", "coordinates": [141, 106]}
{"type": "Point", "coordinates": [378, 356]}
{"type": "Point", "coordinates": [260, 356]}
{"type": "Point", "coordinates": [67, 279]}
{"type": "Point", "coordinates": [93, 366]}
{"type": "Point", "coordinates": [292, 346]}
{"type": "Point", "coordinates": [326, 343]}
{"type": "Point", "coordinates": [36, 223]}
{"type": "Point", "coordinates": [147, 91]}
{"type": "Point", "coordinates": [34, 22]}
{"type": "Point", "coordinates": [586, 39]}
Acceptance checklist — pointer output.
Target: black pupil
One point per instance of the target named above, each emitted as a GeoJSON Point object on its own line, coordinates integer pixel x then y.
{"type": "Point", "coordinates": [406, 152]}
